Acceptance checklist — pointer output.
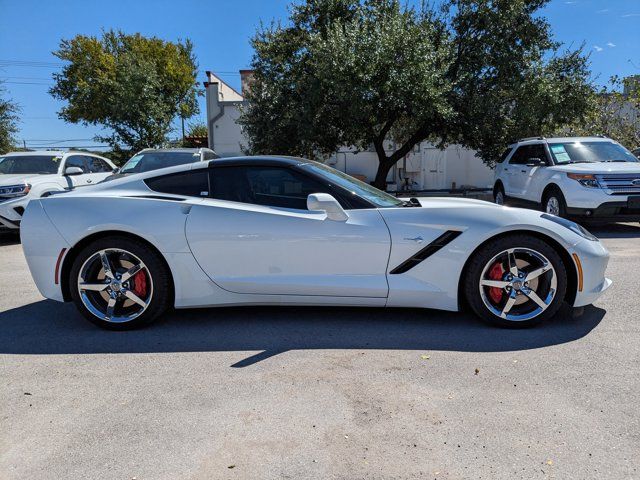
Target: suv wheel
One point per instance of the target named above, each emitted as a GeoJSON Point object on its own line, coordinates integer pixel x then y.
{"type": "Point", "coordinates": [498, 195]}
{"type": "Point", "coordinates": [553, 203]}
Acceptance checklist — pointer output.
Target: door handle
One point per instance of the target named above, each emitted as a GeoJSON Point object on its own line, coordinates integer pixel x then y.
{"type": "Point", "coordinates": [415, 239]}
{"type": "Point", "coordinates": [523, 171]}
{"type": "Point", "coordinates": [89, 181]}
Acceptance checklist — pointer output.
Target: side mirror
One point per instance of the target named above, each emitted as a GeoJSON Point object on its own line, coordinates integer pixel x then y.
{"type": "Point", "coordinates": [324, 202]}
{"type": "Point", "coordinates": [116, 171]}
{"type": "Point", "coordinates": [535, 162]}
{"type": "Point", "coordinates": [71, 171]}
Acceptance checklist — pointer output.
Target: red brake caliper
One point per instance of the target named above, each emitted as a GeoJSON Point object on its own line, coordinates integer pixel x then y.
{"type": "Point", "coordinates": [496, 273]}
{"type": "Point", "coordinates": [140, 284]}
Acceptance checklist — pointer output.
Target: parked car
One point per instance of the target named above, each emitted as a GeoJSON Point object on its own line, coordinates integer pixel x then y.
{"type": "Point", "coordinates": [587, 178]}
{"type": "Point", "coordinates": [151, 159]}
{"type": "Point", "coordinates": [28, 175]}
{"type": "Point", "coordinates": [285, 231]}
{"type": "Point", "coordinates": [636, 152]}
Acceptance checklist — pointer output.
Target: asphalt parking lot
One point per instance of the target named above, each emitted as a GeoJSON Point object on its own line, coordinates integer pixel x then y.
{"type": "Point", "coordinates": [296, 393]}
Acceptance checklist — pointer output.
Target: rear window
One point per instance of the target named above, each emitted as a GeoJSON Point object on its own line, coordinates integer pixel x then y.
{"type": "Point", "coordinates": [188, 184]}
{"type": "Point", "coordinates": [148, 161]}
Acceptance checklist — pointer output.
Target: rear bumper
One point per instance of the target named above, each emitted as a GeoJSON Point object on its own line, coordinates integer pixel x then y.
{"type": "Point", "coordinates": [43, 246]}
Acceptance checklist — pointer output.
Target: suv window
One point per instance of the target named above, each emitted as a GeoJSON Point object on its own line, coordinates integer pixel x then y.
{"type": "Point", "coordinates": [270, 186]}
{"type": "Point", "coordinates": [526, 152]}
{"type": "Point", "coordinates": [189, 184]}
{"type": "Point", "coordinates": [77, 161]}
{"type": "Point", "coordinates": [210, 155]}
{"type": "Point", "coordinates": [97, 165]}
{"type": "Point", "coordinates": [504, 155]}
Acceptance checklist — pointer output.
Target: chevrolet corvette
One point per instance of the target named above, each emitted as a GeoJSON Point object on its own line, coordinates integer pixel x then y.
{"type": "Point", "coordinates": [290, 231]}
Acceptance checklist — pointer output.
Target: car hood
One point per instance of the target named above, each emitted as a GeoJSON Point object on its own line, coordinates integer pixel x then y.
{"type": "Point", "coordinates": [599, 168]}
{"type": "Point", "coordinates": [18, 178]}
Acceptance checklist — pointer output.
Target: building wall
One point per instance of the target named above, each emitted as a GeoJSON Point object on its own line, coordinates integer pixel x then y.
{"type": "Point", "coordinates": [425, 168]}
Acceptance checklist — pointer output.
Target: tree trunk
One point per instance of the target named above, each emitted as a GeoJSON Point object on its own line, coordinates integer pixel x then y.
{"type": "Point", "coordinates": [381, 175]}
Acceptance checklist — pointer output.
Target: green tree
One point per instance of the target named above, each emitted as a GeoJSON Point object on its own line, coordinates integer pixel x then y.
{"type": "Point", "coordinates": [132, 85]}
{"type": "Point", "coordinates": [357, 72]}
{"type": "Point", "coordinates": [615, 113]}
{"type": "Point", "coordinates": [8, 123]}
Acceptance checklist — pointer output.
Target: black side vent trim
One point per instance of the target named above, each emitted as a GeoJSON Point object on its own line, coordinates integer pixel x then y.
{"type": "Point", "coordinates": [440, 242]}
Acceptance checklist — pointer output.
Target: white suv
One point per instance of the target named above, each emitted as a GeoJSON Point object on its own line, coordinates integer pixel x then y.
{"type": "Point", "coordinates": [588, 178]}
{"type": "Point", "coordinates": [28, 175]}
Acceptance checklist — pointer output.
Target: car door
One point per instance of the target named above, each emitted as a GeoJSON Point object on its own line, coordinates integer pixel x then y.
{"type": "Point", "coordinates": [524, 172]}
{"type": "Point", "coordinates": [255, 236]}
{"type": "Point", "coordinates": [74, 181]}
{"type": "Point", "coordinates": [98, 169]}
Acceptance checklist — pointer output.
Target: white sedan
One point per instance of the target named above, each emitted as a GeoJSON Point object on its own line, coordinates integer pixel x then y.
{"type": "Point", "coordinates": [288, 231]}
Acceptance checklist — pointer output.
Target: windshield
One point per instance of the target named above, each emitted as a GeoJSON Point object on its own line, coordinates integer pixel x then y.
{"type": "Point", "coordinates": [33, 164]}
{"type": "Point", "coordinates": [147, 161]}
{"type": "Point", "coordinates": [589, 152]}
{"type": "Point", "coordinates": [364, 190]}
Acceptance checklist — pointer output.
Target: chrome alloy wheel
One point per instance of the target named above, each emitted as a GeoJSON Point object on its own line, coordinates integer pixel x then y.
{"type": "Point", "coordinates": [553, 206]}
{"type": "Point", "coordinates": [518, 284]}
{"type": "Point", "coordinates": [115, 285]}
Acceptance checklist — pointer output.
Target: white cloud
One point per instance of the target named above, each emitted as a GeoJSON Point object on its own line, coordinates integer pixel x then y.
{"type": "Point", "coordinates": [597, 48]}
{"type": "Point", "coordinates": [628, 15]}
{"type": "Point", "coordinates": [611, 44]}
{"type": "Point", "coordinates": [604, 10]}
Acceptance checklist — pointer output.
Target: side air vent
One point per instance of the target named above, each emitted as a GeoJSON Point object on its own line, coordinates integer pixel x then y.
{"type": "Point", "coordinates": [440, 242]}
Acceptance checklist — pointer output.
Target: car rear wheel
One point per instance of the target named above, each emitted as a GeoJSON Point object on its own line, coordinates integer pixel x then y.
{"type": "Point", "coordinates": [119, 283]}
{"type": "Point", "coordinates": [517, 281]}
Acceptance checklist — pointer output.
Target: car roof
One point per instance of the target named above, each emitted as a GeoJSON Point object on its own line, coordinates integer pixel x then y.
{"type": "Point", "coordinates": [264, 160]}
{"type": "Point", "coordinates": [185, 150]}
{"type": "Point", "coordinates": [54, 153]}
{"type": "Point", "coordinates": [537, 140]}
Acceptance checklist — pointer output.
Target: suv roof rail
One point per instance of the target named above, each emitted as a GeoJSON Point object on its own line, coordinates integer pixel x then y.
{"type": "Point", "coordinates": [531, 138]}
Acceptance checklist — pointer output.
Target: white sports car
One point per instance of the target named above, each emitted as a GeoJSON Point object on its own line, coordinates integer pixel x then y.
{"type": "Point", "coordinates": [288, 231]}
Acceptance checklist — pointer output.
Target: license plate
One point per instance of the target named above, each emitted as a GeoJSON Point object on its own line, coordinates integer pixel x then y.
{"type": "Point", "coordinates": [634, 202]}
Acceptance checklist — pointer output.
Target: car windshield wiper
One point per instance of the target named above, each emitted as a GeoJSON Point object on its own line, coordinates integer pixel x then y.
{"type": "Point", "coordinates": [615, 161]}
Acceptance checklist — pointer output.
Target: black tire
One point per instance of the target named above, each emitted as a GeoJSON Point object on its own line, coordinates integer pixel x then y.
{"type": "Point", "coordinates": [160, 296]}
{"type": "Point", "coordinates": [555, 193]}
{"type": "Point", "coordinates": [486, 253]}
{"type": "Point", "coordinates": [497, 191]}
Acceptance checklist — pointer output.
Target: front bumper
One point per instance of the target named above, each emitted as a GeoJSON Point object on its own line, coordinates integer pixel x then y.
{"type": "Point", "coordinates": [617, 211]}
{"type": "Point", "coordinates": [592, 259]}
{"type": "Point", "coordinates": [11, 211]}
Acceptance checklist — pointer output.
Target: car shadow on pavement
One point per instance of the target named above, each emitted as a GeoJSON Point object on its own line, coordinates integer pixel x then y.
{"type": "Point", "coordinates": [616, 230]}
{"type": "Point", "coordinates": [51, 328]}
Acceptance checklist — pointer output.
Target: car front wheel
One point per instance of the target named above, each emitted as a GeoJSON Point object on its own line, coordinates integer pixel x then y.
{"type": "Point", "coordinates": [516, 281]}
{"type": "Point", "coordinates": [119, 283]}
{"type": "Point", "coordinates": [553, 203]}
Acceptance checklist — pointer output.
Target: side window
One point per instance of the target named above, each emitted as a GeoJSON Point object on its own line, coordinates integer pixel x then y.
{"type": "Point", "coordinates": [270, 186]}
{"type": "Point", "coordinates": [504, 155]}
{"type": "Point", "coordinates": [210, 155]}
{"type": "Point", "coordinates": [76, 161]}
{"type": "Point", "coordinates": [97, 165]}
{"type": "Point", "coordinates": [189, 184]}
{"type": "Point", "coordinates": [527, 152]}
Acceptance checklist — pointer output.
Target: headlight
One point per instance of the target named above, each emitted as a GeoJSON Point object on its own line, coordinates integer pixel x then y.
{"type": "Point", "coordinates": [15, 190]}
{"type": "Point", "coordinates": [574, 227]}
{"type": "Point", "coordinates": [589, 181]}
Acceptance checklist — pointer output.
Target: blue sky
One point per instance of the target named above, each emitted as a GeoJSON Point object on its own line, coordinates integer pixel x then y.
{"type": "Point", "coordinates": [220, 30]}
